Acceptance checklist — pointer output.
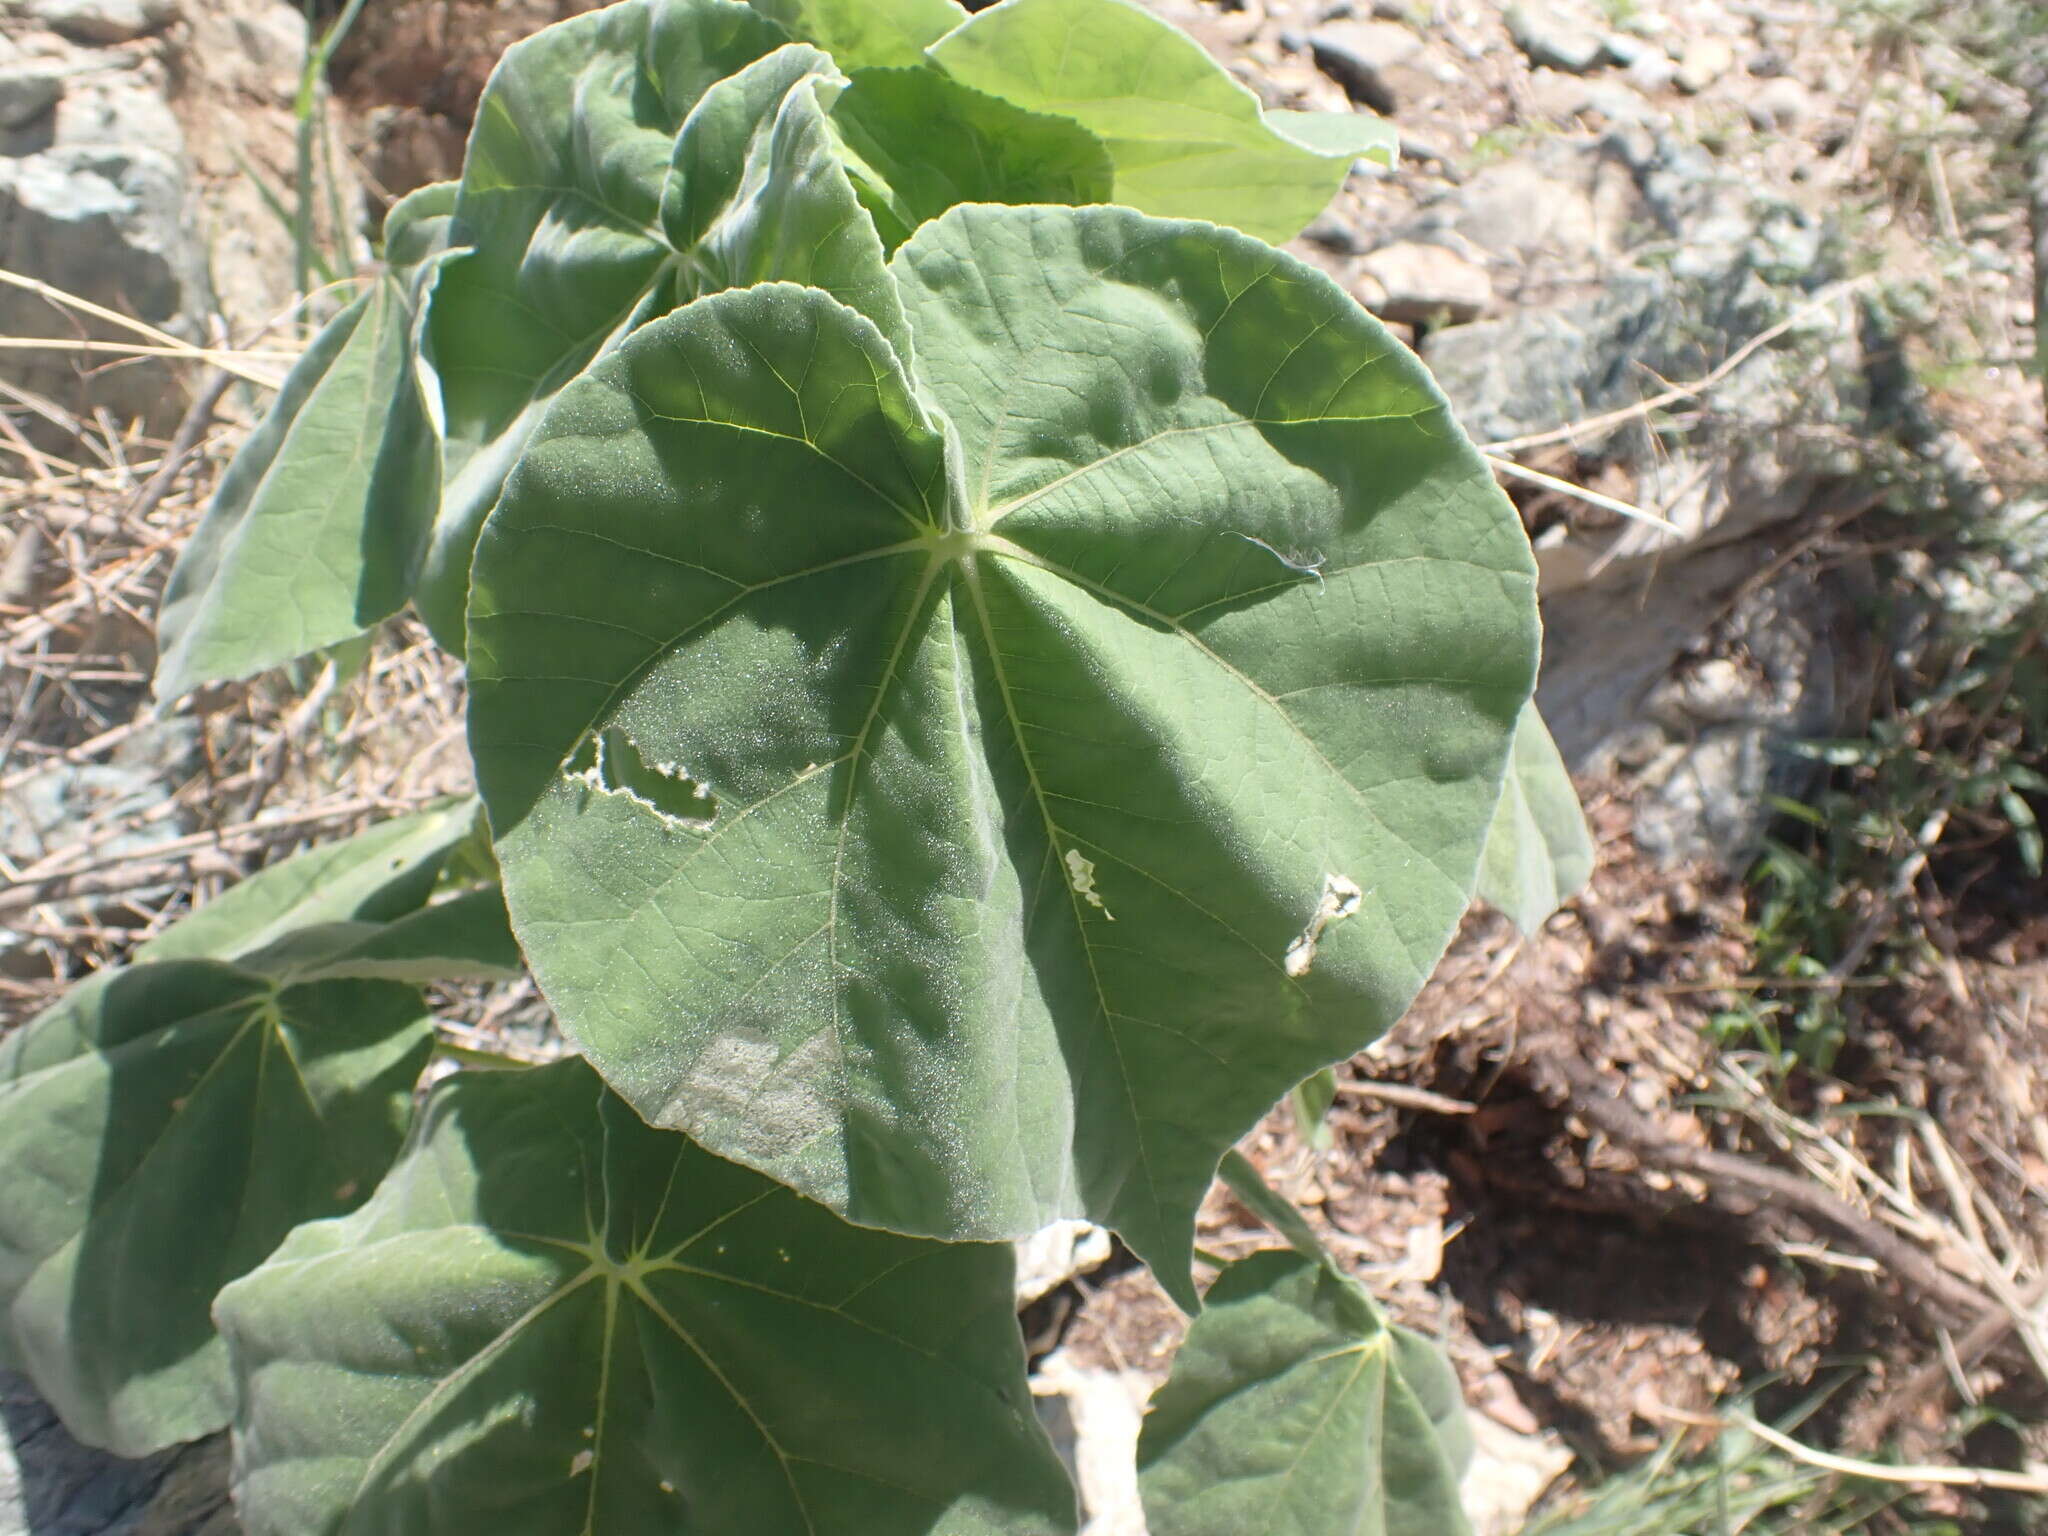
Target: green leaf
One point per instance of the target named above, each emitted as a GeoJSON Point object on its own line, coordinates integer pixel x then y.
{"type": "Point", "coordinates": [1357, 134]}
{"type": "Point", "coordinates": [1310, 1100]}
{"type": "Point", "coordinates": [1188, 141]}
{"type": "Point", "coordinates": [318, 528]}
{"type": "Point", "coordinates": [978, 819]}
{"type": "Point", "coordinates": [465, 938]}
{"type": "Point", "coordinates": [167, 1122]}
{"type": "Point", "coordinates": [1295, 1409]}
{"type": "Point", "coordinates": [379, 874]}
{"type": "Point", "coordinates": [187, 1115]}
{"type": "Point", "coordinates": [577, 197]}
{"type": "Point", "coordinates": [924, 142]}
{"type": "Point", "coordinates": [865, 33]}
{"type": "Point", "coordinates": [760, 191]}
{"type": "Point", "coordinates": [551, 1318]}
{"type": "Point", "coordinates": [1539, 853]}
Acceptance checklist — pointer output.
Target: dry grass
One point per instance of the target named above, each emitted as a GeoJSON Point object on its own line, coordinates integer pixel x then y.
{"type": "Point", "coordinates": [91, 519]}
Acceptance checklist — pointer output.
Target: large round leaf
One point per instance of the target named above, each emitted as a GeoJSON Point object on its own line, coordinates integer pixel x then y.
{"type": "Point", "coordinates": [187, 1115]}
{"type": "Point", "coordinates": [551, 1318]}
{"type": "Point", "coordinates": [980, 817]}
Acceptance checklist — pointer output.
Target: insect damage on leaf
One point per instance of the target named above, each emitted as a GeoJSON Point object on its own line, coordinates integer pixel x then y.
{"type": "Point", "coordinates": [1081, 873]}
{"type": "Point", "coordinates": [1341, 898]}
{"type": "Point", "coordinates": [611, 762]}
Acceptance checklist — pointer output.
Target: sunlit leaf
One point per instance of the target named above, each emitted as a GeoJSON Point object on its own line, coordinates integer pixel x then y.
{"type": "Point", "coordinates": [1187, 140]}
{"type": "Point", "coordinates": [974, 799]}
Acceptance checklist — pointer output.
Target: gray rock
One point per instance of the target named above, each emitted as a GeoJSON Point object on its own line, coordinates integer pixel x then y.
{"type": "Point", "coordinates": [100, 202]}
{"type": "Point", "coordinates": [50, 1485]}
{"type": "Point", "coordinates": [1552, 42]}
{"type": "Point", "coordinates": [1358, 55]}
{"type": "Point", "coordinates": [1428, 284]}
{"type": "Point", "coordinates": [105, 21]}
{"type": "Point", "coordinates": [1706, 60]}
{"type": "Point", "coordinates": [1709, 264]}
{"type": "Point", "coordinates": [1780, 105]}
{"type": "Point", "coordinates": [28, 91]}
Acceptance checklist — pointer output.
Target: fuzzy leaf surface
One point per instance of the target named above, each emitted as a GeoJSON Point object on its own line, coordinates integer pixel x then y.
{"type": "Point", "coordinates": [973, 800]}
{"type": "Point", "coordinates": [1295, 1409]}
{"type": "Point", "coordinates": [1188, 140]}
{"type": "Point", "coordinates": [1539, 853]}
{"type": "Point", "coordinates": [318, 527]}
{"type": "Point", "coordinates": [552, 1318]}
{"type": "Point", "coordinates": [204, 1112]}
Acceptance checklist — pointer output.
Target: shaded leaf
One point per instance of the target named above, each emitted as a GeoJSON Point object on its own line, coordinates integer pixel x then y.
{"type": "Point", "coordinates": [465, 938]}
{"type": "Point", "coordinates": [317, 529]}
{"type": "Point", "coordinates": [206, 1113]}
{"type": "Point", "coordinates": [865, 33]}
{"type": "Point", "coordinates": [165, 1123]}
{"type": "Point", "coordinates": [580, 198]}
{"type": "Point", "coordinates": [378, 874]}
{"type": "Point", "coordinates": [552, 1318]}
{"type": "Point", "coordinates": [1295, 1409]}
{"type": "Point", "coordinates": [925, 142]}
{"type": "Point", "coordinates": [1188, 141]}
{"type": "Point", "coordinates": [1539, 853]}
{"type": "Point", "coordinates": [980, 819]}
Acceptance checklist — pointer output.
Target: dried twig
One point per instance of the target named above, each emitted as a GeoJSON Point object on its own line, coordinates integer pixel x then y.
{"type": "Point", "coordinates": [1730, 1174]}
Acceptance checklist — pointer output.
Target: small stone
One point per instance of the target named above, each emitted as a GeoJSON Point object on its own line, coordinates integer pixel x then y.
{"type": "Point", "coordinates": [1333, 234]}
{"type": "Point", "coordinates": [27, 91]}
{"type": "Point", "coordinates": [1552, 43]}
{"type": "Point", "coordinates": [1780, 105]}
{"type": "Point", "coordinates": [1427, 284]}
{"type": "Point", "coordinates": [1358, 55]}
{"type": "Point", "coordinates": [1706, 60]}
{"type": "Point", "coordinates": [1653, 72]}
{"type": "Point", "coordinates": [1624, 48]}
{"type": "Point", "coordinates": [105, 21]}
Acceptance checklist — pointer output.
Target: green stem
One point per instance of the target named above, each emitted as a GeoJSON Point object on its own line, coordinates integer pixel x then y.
{"type": "Point", "coordinates": [1277, 1212]}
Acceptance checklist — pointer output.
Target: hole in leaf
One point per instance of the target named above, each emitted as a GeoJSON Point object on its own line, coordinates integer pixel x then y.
{"type": "Point", "coordinates": [1341, 898]}
{"type": "Point", "coordinates": [612, 763]}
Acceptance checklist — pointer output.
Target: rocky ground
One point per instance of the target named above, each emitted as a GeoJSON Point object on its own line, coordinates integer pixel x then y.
{"type": "Point", "coordinates": [1739, 291]}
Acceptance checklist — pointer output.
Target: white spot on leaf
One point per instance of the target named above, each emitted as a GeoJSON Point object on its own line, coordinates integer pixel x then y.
{"type": "Point", "coordinates": [1081, 873]}
{"type": "Point", "coordinates": [1341, 898]}
{"type": "Point", "coordinates": [580, 1463]}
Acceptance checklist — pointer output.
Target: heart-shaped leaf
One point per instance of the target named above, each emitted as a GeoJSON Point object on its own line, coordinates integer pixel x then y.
{"type": "Point", "coordinates": [975, 799]}
{"type": "Point", "coordinates": [551, 1318]}
{"type": "Point", "coordinates": [201, 1112]}
{"type": "Point", "coordinates": [1295, 1409]}
{"type": "Point", "coordinates": [1188, 141]}
{"type": "Point", "coordinates": [318, 528]}
{"type": "Point", "coordinates": [1539, 853]}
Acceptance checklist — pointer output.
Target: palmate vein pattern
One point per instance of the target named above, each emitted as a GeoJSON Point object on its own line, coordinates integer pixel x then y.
{"type": "Point", "coordinates": [1042, 756]}
{"type": "Point", "coordinates": [652, 1339]}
